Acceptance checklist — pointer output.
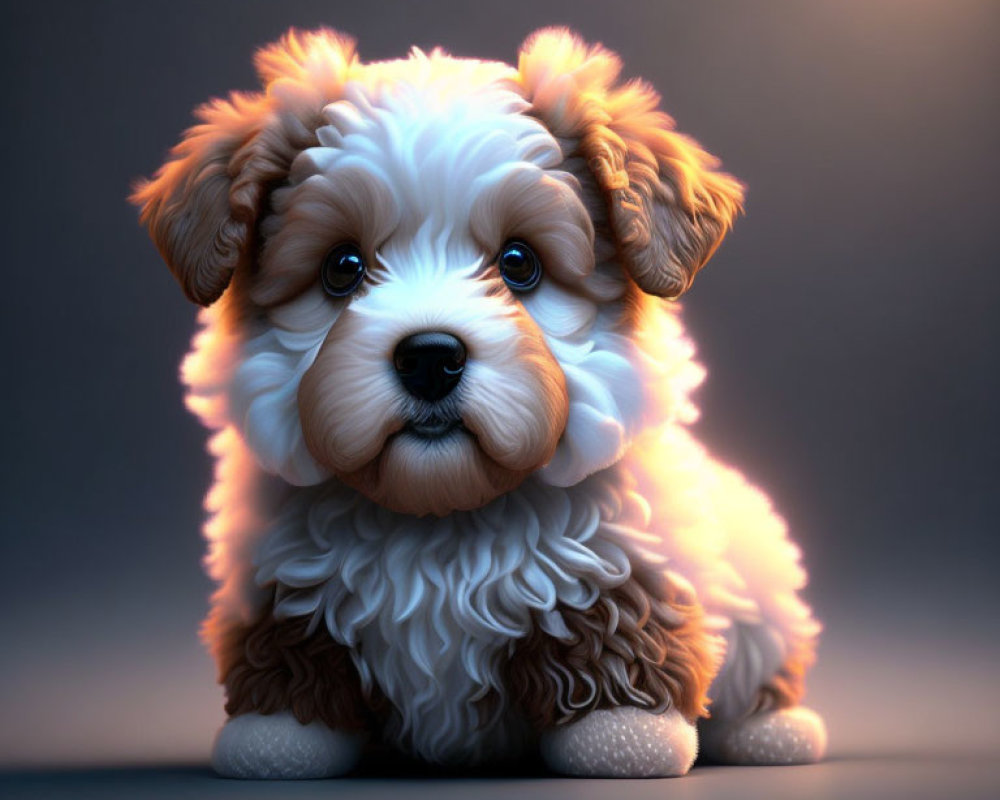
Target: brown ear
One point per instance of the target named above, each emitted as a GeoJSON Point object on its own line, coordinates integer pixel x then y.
{"type": "Point", "coordinates": [202, 205]}
{"type": "Point", "coordinates": [668, 206]}
{"type": "Point", "coordinates": [187, 207]}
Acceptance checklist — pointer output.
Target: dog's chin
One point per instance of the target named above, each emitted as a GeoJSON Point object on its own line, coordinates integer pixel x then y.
{"type": "Point", "coordinates": [433, 471]}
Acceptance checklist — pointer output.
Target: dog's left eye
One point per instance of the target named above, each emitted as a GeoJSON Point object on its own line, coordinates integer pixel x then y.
{"type": "Point", "coordinates": [343, 270]}
{"type": "Point", "coordinates": [519, 266]}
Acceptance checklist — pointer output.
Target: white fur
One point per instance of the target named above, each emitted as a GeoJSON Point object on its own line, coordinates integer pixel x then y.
{"type": "Point", "coordinates": [429, 606]}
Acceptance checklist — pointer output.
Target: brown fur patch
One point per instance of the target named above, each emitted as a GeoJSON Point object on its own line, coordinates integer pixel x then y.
{"type": "Point", "coordinates": [641, 644]}
{"type": "Point", "coordinates": [277, 665]}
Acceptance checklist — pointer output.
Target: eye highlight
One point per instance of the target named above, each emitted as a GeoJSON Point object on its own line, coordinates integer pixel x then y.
{"type": "Point", "coordinates": [519, 266]}
{"type": "Point", "coordinates": [342, 270]}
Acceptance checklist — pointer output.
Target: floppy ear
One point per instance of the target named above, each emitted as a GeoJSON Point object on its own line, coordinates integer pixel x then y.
{"type": "Point", "coordinates": [201, 231]}
{"type": "Point", "coordinates": [202, 205]}
{"type": "Point", "coordinates": [668, 206]}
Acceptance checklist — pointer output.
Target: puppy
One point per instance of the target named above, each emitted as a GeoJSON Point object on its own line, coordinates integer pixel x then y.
{"type": "Point", "coordinates": [457, 507]}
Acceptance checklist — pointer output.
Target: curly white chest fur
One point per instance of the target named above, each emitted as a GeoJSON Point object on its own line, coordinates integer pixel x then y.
{"type": "Point", "coordinates": [430, 607]}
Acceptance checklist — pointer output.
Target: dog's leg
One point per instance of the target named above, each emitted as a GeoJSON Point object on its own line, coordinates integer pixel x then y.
{"type": "Point", "coordinates": [295, 702]}
{"type": "Point", "coordinates": [756, 717]}
{"type": "Point", "coordinates": [615, 689]}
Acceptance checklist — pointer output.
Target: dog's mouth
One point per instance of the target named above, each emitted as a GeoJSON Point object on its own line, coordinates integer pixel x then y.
{"type": "Point", "coordinates": [433, 426]}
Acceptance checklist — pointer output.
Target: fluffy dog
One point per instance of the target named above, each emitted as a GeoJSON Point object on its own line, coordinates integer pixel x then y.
{"type": "Point", "coordinates": [457, 507]}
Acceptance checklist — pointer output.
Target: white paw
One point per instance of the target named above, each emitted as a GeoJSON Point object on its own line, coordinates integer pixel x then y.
{"type": "Point", "coordinates": [622, 742]}
{"type": "Point", "coordinates": [790, 736]}
{"type": "Point", "coordinates": [278, 746]}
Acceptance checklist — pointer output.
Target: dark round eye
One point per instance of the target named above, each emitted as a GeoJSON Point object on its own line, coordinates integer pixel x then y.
{"type": "Point", "coordinates": [519, 266]}
{"type": "Point", "coordinates": [343, 270]}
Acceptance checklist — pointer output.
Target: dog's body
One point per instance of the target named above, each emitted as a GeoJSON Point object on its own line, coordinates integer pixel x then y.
{"type": "Point", "coordinates": [504, 530]}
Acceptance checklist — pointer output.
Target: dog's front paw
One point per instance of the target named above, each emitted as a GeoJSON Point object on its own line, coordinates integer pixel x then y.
{"type": "Point", "coordinates": [278, 746]}
{"type": "Point", "coordinates": [789, 736]}
{"type": "Point", "coordinates": [622, 742]}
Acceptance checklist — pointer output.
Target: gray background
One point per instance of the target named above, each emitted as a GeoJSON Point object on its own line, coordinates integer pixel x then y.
{"type": "Point", "coordinates": [849, 325]}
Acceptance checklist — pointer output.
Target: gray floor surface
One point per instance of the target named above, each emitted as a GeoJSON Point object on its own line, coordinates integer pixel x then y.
{"type": "Point", "coordinates": [912, 776]}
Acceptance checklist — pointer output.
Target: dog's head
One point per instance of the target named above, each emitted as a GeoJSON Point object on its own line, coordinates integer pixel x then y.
{"type": "Point", "coordinates": [432, 270]}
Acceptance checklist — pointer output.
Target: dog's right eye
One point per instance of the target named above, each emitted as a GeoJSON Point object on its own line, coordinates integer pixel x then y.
{"type": "Point", "coordinates": [343, 270]}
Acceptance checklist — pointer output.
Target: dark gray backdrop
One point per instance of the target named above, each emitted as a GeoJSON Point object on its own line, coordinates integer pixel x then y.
{"type": "Point", "coordinates": [849, 325]}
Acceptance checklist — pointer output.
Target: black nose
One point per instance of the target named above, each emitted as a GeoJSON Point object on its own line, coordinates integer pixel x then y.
{"type": "Point", "coordinates": [429, 364]}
